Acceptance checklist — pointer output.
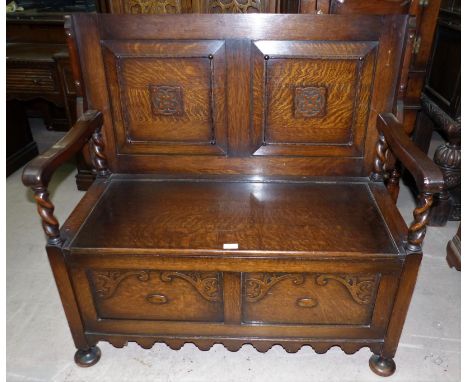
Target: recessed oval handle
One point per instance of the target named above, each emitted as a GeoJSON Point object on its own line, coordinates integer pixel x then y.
{"type": "Point", "coordinates": [307, 302]}
{"type": "Point", "coordinates": [156, 299]}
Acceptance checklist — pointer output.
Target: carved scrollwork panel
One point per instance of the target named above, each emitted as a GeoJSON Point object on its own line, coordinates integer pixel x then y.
{"type": "Point", "coordinates": [257, 288]}
{"type": "Point", "coordinates": [107, 282]}
{"type": "Point", "coordinates": [235, 6]}
{"type": "Point", "coordinates": [360, 289]}
{"type": "Point", "coordinates": [206, 283]}
{"type": "Point", "coordinates": [152, 6]}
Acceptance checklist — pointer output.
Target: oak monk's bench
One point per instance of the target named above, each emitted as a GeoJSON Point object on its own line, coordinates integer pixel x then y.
{"type": "Point", "coordinates": [245, 184]}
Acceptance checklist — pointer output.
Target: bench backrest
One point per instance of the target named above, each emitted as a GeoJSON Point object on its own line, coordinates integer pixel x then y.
{"type": "Point", "coordinates": [160, 7]}
{"type": "Point", "coordinates": [268, 95]}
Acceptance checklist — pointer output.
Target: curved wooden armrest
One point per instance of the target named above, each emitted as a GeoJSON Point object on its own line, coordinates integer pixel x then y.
{"type": "Point", "coordinates": [428, 177]}
{"type": "Point", "coordinates": [37, 173]}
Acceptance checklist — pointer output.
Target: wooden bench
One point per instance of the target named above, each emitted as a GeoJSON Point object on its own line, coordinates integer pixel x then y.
{"type": "Point", "coordinates": [243, 193]}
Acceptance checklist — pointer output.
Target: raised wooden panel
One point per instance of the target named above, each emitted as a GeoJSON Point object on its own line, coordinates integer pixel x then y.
{"type": "Point", "coordinates": [238, 88]}
{"type": "Point", "coordinates": [168, 97]}
{"type": "Point", "coordinates": [311, 98]}
{"type": "Point", "coordinates": [157, 295]}
{"type": "Point", "coordinates": [304, 298]}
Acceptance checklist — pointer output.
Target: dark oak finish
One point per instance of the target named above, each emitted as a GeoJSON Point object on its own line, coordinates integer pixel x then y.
{"type": "Point", "coordinates": [38, 172]}
{"type": "Point", "coordinates": [239, 197]}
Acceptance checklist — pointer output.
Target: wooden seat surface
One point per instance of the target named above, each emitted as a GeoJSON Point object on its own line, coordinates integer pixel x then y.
{"type": "Point", "coordinates": [311, 217]}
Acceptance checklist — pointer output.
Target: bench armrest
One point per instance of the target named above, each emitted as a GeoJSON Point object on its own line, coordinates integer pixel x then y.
{"type": "Point", "coordinates": [426, 173]}
{"type": "Point", "coordinates": [429, 179]}
{"type": "Point", "coordinates": [38, 172]}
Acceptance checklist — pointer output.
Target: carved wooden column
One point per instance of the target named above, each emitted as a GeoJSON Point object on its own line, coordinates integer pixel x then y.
{"type": "Point", "coordinates": [448, 158]}
{"type": "Point", "coordinates": [454, 251]}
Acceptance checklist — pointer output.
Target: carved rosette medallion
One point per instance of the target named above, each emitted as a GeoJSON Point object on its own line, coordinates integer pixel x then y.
{"type": "Point", "coordinates": [361, 288]}
{"type": "Point", "coordinates": [310, 102]}
{"type": "Point", "coordinates": [152, 6]}
{"type": "Point", "coordinates": [166, 100]}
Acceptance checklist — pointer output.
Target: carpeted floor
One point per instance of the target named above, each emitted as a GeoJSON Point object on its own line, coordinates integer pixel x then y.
{"type": "Point", "coordinates": [40, 348]}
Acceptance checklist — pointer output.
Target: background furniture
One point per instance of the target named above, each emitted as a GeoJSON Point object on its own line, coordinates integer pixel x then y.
{"type": "Point", "coordinates": [38, 76]}
{"type": "Point", "coordinates": [441, 111]}
{"type": "Point", "coordinates": [209, 221]}
{"type": "Point", "coordinates": [454, 251]}
{"type": "Point", "coordinates": [20, 145]}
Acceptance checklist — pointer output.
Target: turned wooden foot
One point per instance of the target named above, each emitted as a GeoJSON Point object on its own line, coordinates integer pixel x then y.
{"type": "Point", "coordinates": [87, 358]}
{"type": "Point", "coordinates": [384, 367]}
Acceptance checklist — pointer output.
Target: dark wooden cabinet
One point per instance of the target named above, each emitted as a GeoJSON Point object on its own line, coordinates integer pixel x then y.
{"type": "Point", "coordinates": [35, 68]}
{"type": "Point", "coordinates": [20, 145]}
{"type": "Point", "coordinates": [38, 76]}
{"type": "Point", "coordinates": [240, 193]}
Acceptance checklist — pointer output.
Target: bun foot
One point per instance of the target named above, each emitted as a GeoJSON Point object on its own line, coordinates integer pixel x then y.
{"type": "Point", "coordinates": [89, 357]}
{"type": "Point", "coordinates": [384, 367]}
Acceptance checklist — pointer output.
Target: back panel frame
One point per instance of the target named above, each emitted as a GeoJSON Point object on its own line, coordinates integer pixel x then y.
{"type": "Point", "coordinates": [247, 97]}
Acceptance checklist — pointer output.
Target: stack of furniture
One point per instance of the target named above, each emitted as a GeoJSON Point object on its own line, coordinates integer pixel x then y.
{"type": "Point", "coordinates": [240, 193]}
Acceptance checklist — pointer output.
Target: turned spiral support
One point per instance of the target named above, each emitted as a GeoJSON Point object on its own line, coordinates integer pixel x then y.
{"type": "Point", "coordinates": [417, 230]}
{"type": "Point", "coordinates": [99, 157]}
{"type": "Point", "coordinates": [378, 173]}
{"type": "Point", "coordinates": [45, 208]}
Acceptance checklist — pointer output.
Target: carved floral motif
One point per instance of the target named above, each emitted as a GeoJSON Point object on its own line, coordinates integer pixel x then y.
{"type": "Point", "coordinates": [310, 102]}
{"type": "Point", "coordinates": [107, 282]}
{"type": "Point", "coordinates": [257, 288]}
{"type": "Point", "coordinates": [206, 283]}
{"type": "Point", "coordinates": [166, 100]}
{"type": "Point", "coordinates": [359, 287]}
{"type": "Point", "coordinates": [235, 6]}
{"type": "Point", "coordinates": [360, 290]}
{"type": "Point", "coordinates": [152, 6]}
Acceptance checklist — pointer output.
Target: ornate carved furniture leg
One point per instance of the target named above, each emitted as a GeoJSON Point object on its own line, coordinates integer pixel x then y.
{"type": "Point", "coordinates": [448, 158]}
{"type": "Point", "coordinates": [429, 182]}
{"type": "Point", "coordinates": [37, 175]}
{"type": "Point", "coordinates": [454, 251]}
